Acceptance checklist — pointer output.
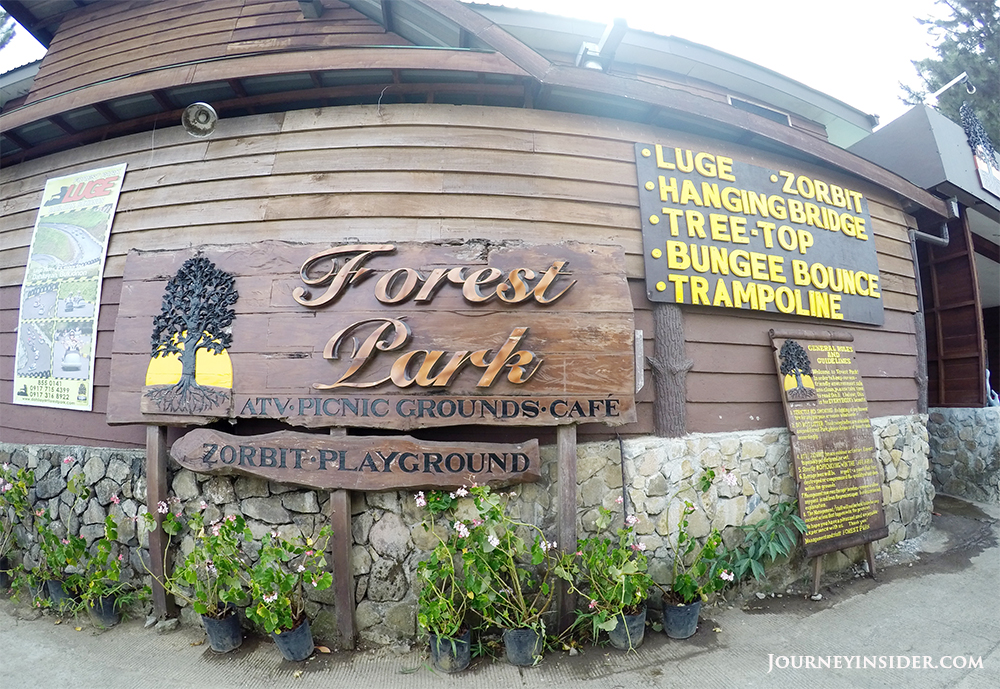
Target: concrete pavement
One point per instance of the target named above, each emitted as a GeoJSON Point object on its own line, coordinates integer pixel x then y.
{"type": "Point", "coordinates": [937, 602]}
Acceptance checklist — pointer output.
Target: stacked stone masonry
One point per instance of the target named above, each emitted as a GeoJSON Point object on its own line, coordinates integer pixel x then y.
{"type": "Point", "coordinates": [654, 479]}
{"type": "Point", "coordinates": [965, 452]}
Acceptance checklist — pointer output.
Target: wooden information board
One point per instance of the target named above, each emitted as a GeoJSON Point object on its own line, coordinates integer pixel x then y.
{"type": "Point", "coordinates": [836, 468]}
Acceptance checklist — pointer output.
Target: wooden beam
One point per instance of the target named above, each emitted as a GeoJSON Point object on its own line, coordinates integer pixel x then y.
{"type": "Point", "coordinates": [251, 103]}
{"type": "Point", "coordinates": [981, 245]}
{"type": "Point", "coordinates": [566, 461]}
{"type": "Point", "coordinates": [156, 491]}
{"type": "Point", "coordinates": [340, 555]}
{"type": "Point", "coordinates": [492, 35]}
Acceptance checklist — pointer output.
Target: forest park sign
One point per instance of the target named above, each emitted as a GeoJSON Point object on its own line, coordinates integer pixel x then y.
{"type": "Point", "coordinates": [376, 335]}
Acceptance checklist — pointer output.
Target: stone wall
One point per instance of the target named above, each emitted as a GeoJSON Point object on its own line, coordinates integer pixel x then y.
{"type": "Point", "coordinates": [965, 452]}
{"type": "Point", "coordinates": [660, 473]}
{"type": "Point", "coordinates": [657, 474]}
{"type": "Point", "coordinates": [116, 483]}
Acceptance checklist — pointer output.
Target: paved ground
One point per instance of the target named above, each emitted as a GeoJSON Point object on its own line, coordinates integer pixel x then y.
{"type": "Point", "coordinates": [937, 600]}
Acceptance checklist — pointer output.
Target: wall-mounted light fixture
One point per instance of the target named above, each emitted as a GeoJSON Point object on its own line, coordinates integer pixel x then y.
{"type": "Point", "coordinates": [199, 119]}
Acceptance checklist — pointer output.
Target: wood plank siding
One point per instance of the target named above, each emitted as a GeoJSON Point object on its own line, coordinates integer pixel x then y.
{"type": "Point", "coordinates": [435, 173]}
{"type": "Point", "coordinates": [108, 41]}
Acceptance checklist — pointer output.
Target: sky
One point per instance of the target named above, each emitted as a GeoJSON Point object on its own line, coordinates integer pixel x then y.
{"type": "Point", "coordinates": [854, 50]}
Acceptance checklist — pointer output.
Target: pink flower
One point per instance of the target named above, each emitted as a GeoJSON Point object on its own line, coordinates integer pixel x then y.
{"type": "Point", "coordinates": [65, 541]}
{"type": "Point", "coordinates": [115, 499]}
{"type": "Point", "coordinates": [619, 500]}
{"type": "Point", "coordinates": [729, 478]}
{"type": "Point", "coordinates": [69, 459]}
{"type": "Point", "coordinates": [461, 492]}
{"type": "Point", "coordinates": [270, 598]}
{"type": "Point", "coordinates": [162, 507]}
{"type": "Point", "coordinates": [726, 575]}
{"type": "Point", "coordinates": [120, 557]}
{"type": "Point", "coordinates": [639, 546]}
{"type": "Point", "coordinates": [593, 604]}
{"type": "Point", "coordinates": [310, 552]}
{"type": "Point", "coordinates": [477, 522]}
{"type": "Point", "coordinates": [420, 499]}
{"type": "Point", "coordinates": [461, 529]}
{"type": "Point", "coordinates": [631, 520]}
{"type": "Point", "coordinates": [203, 505]}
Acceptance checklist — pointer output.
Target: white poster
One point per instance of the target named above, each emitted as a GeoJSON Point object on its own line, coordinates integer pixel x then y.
{"type": "Point", "coordinates": [61, 293]}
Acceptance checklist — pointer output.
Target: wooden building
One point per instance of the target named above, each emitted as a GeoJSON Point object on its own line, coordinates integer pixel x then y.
{"type": "Point", "coordinates": [426, 121]}
{"type": "Point", "coordinates": [654, 210]}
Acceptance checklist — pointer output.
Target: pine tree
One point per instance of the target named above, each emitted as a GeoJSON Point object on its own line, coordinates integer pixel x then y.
{"type": "Point", "coordinates": [6, 28]}
{"type": "Point", "coordinates": [968, 41]}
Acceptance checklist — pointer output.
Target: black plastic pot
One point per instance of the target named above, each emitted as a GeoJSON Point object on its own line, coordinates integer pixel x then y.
{"type": "Point", "coordinates": [523, 646]}
{"type": "Point", "coordinates": [296, 643]}
{"type": "Point", "coordinates": [629, 632]}
{"type": "Point", "coordinates": [58, 596]}
{"type": "Point", "coordinates": [102, 612]}
{"type": "Point", "coordinates": [225, 634]}
{"type": "Point", "coordinates": [681, 621]}
{"type": "Point", "coordinates": [451, 654]}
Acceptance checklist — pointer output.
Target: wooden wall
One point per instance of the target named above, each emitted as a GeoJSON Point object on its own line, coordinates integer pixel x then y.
{"type": "Point", "coordinates": [429, 173]}
{"type": "Point", "coordinates": [113, 39]}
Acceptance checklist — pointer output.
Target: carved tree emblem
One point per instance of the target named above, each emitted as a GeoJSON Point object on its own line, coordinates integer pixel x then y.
{"type": "Point", "coordinates": [196, 317]}
{"type": "Point", "coordinates": [795, 362]}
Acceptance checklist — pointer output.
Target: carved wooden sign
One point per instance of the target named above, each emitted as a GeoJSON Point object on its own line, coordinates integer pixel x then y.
{"type": "Point", "coordinates": [376, 335]}
{"type": "Point", "coordinates": [836, 468]}
{"type": "Point", "coordinates": [357, 463]}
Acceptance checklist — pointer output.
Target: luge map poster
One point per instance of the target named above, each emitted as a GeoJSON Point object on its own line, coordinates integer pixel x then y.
{"type": "Point", "coordinates": [61, 292]}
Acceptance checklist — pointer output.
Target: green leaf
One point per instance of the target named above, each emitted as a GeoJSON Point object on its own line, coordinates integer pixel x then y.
{"type": "Point", "coordinates": [609, 625]}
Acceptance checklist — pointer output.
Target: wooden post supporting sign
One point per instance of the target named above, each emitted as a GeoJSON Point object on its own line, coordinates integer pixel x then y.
{"type": "Point", "coordinates": [340, 551]}
{"type": "Point", "coordinates": [156, 492]}
{"type": "Point", "coordinates": [566, 450]}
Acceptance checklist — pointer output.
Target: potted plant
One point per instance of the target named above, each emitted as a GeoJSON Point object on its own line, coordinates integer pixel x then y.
{"type": "Point", "coordinates": [609, 572]}
{"type": "Point", "coordinates": [212, 577]}
{"type": "Point", "coordinates": [277, 586]}
{"type": "Point", "coordinates": [60, 558]}
{"type": "Point", "coordinates": [14, 508]}
{"type": "Point", "coordinates": [102, 591]}
{"type": "Point", "coordinates": [507, 565]}
{"type": "Point", "coordinates": [697, 572]}
{"type": "Point", "coordinates": [442, 600]}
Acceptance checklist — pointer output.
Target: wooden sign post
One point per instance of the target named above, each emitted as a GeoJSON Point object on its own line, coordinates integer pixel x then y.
{"type": "Point", "coordinates": [156, 491]}
{"type": "Point", "coordinates": [387, 336]}
{"type": "Point", "coordinates": [836, 468]}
